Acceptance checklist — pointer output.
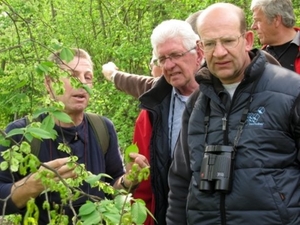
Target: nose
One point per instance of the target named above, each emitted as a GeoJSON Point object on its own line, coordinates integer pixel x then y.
{"type": "Point", "coordinates": [82, 79]}
{"type": "Point", "coordinates": [169, 64]}
{"type": "Point", "coordinates": [253, 26]}
{"type": "Point", "coordinates": [219, 50]}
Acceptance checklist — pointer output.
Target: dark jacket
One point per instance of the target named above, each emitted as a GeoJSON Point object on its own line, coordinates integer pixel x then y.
{"type": "Point", "coordinates": [266, 174]}
{"type": "Point", "coordinates": [157, 102]}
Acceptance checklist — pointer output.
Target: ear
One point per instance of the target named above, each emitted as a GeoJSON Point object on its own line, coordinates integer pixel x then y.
{"type": "Point", "coordinates": [249, 37]}
{"type": "Point", "coordinates": [277, 21]}
{"type": "Point", "coordinates": [200, 53]}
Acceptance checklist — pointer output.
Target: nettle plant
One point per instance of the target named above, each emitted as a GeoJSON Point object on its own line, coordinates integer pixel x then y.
{"type": "Point", "coordinates": [121, 209]}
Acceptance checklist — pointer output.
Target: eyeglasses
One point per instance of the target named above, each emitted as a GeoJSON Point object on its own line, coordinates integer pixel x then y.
{"type": "Point", "coordinates": [152, 63]}
{"type": "Point", "coordinates": [227, 42]}
{"type": "Point", "coordinates": [173, 57]}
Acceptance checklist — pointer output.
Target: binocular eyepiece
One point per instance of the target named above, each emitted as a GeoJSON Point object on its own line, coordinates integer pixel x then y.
{"type": "Point", "coordinates": [216, 168]}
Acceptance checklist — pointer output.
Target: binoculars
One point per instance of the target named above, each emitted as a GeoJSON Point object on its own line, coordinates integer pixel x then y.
{"type": "Point", "coordinates": [216, 168]}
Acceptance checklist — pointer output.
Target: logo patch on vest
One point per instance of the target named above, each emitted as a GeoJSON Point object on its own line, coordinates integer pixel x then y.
{"type": "Point", "coordinates": [253, 117]}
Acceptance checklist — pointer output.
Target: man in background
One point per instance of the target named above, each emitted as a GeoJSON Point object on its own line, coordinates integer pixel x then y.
{"type": "Point", "coordinates": [274, 21]}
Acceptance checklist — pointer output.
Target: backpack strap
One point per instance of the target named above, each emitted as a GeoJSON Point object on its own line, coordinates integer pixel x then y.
{"type": "Point", "coordinates": [35, 143]}
{"type": "Point", "coordinates": [99, 126]}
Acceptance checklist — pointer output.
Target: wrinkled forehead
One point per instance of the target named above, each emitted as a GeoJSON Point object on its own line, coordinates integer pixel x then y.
{"type": "Point", "coordinates": [77, 64]}
{"type": "Point", "coordinates": [226, 32]}
{"type": "Point", "coordinates": [219, 28]}
{"type": "Point", "coordinates": [170, 46]}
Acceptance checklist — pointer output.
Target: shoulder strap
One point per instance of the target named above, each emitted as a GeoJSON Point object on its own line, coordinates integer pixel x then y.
{"type": "Point", "coordinates": [35, 144]}
{"type": "Point", "coordinates": [99, 126]}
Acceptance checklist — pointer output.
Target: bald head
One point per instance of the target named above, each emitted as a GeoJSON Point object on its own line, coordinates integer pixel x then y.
{"type": "Point", "coordinates": [225, 41]}
{"type": "Point", "coordinates": [220, 14]}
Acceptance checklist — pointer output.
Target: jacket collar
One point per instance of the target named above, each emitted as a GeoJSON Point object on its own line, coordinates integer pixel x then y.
{"type": "Point", "coordinates": [157, 93]}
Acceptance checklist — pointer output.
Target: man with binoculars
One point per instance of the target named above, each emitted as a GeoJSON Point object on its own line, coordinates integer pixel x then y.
{"type": "Point", "coordinates": [237, 160]}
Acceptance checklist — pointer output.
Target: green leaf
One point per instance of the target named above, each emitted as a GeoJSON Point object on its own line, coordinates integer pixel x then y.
{"type": "Point", "coordinates": [15, 131]}
{"type": "Point", "coordinates": [113, 217]}
{"type": "Point", "coordinates": [33, 163]}
{"type": "Point", "coordinates": [55, 44]}
{"type": "Point", "coordinates": [14, 167]}
{"type": "Point", "coordinates": [66, 54]}
{"type": "Point", "coordinates": [87, 208]}
{"type": "Point", "coordinates": [4, 142]}
{"type": "Point", "coordinates": [40, 111]}
{"type": "Point", "coordinates": [87, 89]}
{"type": "Point", "coordinates": [63, 117]}
{"type": "Point", "coordinates": [130, 149]}
{"type": "Point", "coordinates": [39, 133]}
{"type": "Point", "coordinates": [21, 84]}
{"type": "Point", "coordinates": [3, 165]}
{"type": "Point", "coordinates": [121, 200]}
{"type": "Point", "coordinates": [25, 147]}
{"type": "Point", "coordinates": [92, 179]}
{"type": "Point", "coordinates": [93, 218]}
{"type": "Point", "coordinates": [75, 83]}
{"type": "Point", "coordinates": [139, 212]}
{"type": "Point", "coordinates": [48, 123]}
{"type": "Point", "coordinates": [42, 68]}
{"type": "Point", "coordinates": [28, 137]}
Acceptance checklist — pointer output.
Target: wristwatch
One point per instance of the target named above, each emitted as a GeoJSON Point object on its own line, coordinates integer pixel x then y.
{"type": "Point", "coordinates": [123, 183]}
{"type": "Point", "coordinates": [131, 188]}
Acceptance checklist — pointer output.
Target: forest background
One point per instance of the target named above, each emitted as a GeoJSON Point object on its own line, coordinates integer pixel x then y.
{"type": "Point", "coordinates": [117, 31]}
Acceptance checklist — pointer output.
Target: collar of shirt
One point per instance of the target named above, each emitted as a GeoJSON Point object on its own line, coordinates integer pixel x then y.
{"type": "Point", "coordinates": [178, 96]}
{"type": "Point", "coordinates": [296, 39]}
{"type": "Point", "coordinates": [71, 134]}
{"type": "Point", "coordinates": [177, 105]}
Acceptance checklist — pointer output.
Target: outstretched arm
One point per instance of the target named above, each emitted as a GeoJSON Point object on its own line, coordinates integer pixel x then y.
{"type": "Point", "coordinates": [131, 84]}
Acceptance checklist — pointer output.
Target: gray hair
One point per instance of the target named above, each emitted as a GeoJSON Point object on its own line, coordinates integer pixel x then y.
{"type": "Point", "coordinates": [273, 8]}
{"type": "Point", "coordinates": [171, 29]}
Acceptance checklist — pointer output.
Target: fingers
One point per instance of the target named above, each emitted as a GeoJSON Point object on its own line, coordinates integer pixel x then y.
{"type": "Point", "coordinates": [57, 162]}
{"type": "Point", "coordinates": [66, 172]}
{"type": "Point", "coordinates": [108, 69]}
{"type": "Point", "coordinates": [139, 159]}
{"type": "Point", "coordinates": [62, 169]}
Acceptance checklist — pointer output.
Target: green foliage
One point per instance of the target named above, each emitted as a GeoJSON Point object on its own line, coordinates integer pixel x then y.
{"type": "Point", "coordinates": [122, 209]}
{"type": "Point", "coordinates": [116, 31]}
{"type": "Point", "coordinates": [130, 149]}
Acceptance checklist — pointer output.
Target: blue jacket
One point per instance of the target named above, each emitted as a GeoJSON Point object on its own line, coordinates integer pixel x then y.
{"type": "Point", "coordinates": [266, 174]}
{"type": "Point", "coordinates": [88, 152]}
